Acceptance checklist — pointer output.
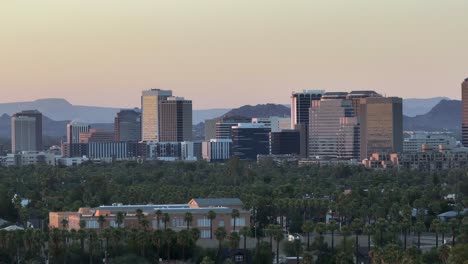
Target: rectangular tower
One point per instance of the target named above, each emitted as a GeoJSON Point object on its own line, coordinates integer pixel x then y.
{"type": "Point", "coordinates": [381, 125]}
{"type": "Point", "coordinates": [465, 113]}
{"type": "Point", "coordinates": [175, 120]}
{"type": "Point", "coordinates": [150, 113]}
{"type": "Point", "coordinates": [38, 125]}
{"type": "Point", "coordinates": [300, 105]}
{"type": "Point", "coordinates": [23, 134]}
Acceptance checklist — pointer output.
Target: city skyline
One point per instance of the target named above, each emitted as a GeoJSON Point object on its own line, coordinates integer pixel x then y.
{"type": "Point", "coordinates": [265, 49]}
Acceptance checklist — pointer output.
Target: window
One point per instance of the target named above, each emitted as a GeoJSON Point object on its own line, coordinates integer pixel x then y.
{"type": "Point", "coordinates": [238, 258]}
{"type": "Point", "coordinates": [204, 222]}
{"type": "Point", "coordinates": [240, 222]}
{"type": "Point", "coordinates": [92, 224]}
{"type": "Point", "coordinates": [113, 223]}
{"type": "Point", "coordinates": [205, 234]}
{"type": "Point", "coordinates": [221, 223]}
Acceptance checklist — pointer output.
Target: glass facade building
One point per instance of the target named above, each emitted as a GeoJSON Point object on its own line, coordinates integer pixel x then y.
{"type": "Point", "coordinates": [333, 128]}
{"type": "Point", "coordinates": [465, 113]}
{"type": "Point", "coordinates": [381, 125]}
{"type": "Point", "coordinates": [127, 125]}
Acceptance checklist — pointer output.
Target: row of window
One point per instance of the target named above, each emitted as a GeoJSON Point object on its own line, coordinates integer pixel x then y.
{"type": "Point", "coordinates": [176, 222]}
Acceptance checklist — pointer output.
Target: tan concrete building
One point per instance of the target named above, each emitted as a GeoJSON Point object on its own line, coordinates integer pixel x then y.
{"type": "Point", "coordinates": [381, 125]}
{"type": "Point", "coordinates": [199, 208]}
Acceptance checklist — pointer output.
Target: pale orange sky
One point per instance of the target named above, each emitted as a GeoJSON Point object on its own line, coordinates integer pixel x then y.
{"type": "Point", "coordinates": [227, 53]}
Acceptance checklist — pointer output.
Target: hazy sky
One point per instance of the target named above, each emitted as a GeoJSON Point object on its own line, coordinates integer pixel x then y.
{"type": "Point", "coordinates": [223, 53]}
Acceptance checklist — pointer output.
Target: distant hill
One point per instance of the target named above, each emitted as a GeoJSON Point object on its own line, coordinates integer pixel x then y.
{"type": "Point", "coordinates": [61, 109]}
{"type": "Point", "coordinates": [261, 110]}
{"type": "Point", "coordinates": [446, 115]}
{"type": "Point", "coordinates": [414, 106]}
{"type": "Point", "coordinates": [50, 128]}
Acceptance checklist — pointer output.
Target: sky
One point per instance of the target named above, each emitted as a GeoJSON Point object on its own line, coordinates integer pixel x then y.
{"type": "Point", "coordinates": [228, 53]}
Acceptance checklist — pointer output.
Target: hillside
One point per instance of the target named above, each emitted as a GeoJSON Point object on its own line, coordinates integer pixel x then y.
{"type": "Point", "coordinates": [261, 110]}
{"type": "Point", "coordinates": [446, 115]}
{"type": "Point", "coordinates": [416, 106]}
{"type": "Point", "coordinates": [50, 128]}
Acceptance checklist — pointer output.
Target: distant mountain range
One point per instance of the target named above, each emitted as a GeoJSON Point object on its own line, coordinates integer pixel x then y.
{"type": "Point", "coordinates": [442, 115]}
{"type": "Point", "coordinates": [413, 107]}
{"type": "Point", "coordinates": [61, 109]}
{"type": "Point", "coordinates": [446, 115]}
{"type": "Point", "coordinates": [261, 110]}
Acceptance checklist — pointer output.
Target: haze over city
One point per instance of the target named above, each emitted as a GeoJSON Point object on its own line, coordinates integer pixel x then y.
{"type": "Point", "coordinates": [238, 52]}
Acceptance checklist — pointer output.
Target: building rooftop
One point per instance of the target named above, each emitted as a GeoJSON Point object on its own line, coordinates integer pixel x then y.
{"type": "Point", "coordinates": [211, 202]}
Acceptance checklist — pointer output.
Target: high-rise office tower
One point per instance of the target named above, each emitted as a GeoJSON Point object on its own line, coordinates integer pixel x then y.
{"type": "Point", "coordinates": [356, 96]}
{"type": "Point", "coordinates": [150, 115]}
{"type": "Point", "coordinates": [333, 128]}
{"type": "Point", "coordinates": [285, 142]}
{"type": "Point", "coordinates": [127, 125]}
{"type": "Point", "coordinates": [381, 125]}
{"type": "Point", "coordinates": [175, 120]}
{"type": "Point", "coordinates": [74, 129]}
{"type": "Point", "coordinates": [23, 134]}
{"type": "Point", "coordinates": [300, 104]}
{"type": "Point", "coordinates": [225, 124]}
{"type": "Point", "coordinates": [250, 140]}
{"type": "Point", "coordinates": [465, 113]}
{"type": "Point", "coordinates": [38, 125]}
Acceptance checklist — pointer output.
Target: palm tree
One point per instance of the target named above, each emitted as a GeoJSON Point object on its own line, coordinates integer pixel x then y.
{"type": "Point", "coordinates": [418, 228]}
{"type": "Point", "coordinates": [405, 226]}
{"type": "Point", "coordinates": [368, 230]}
{"type": "Point", "coordinates": [220, 234]}
{"type": "Point", "coordinates": [320, 228]}
{"type": "Point", "coordinates": [166, 219]}
{"type": "Point", "coordinates": [156, 240]}
{"type": "Point", "coordinates": [169, 237]}
{"type": "Point", "coordinates": [188, 218]}
{"type": "Point", "coordinates": [332, 226]}
{"type": "Point", "coordinates": [345, 232]}
{"type": "Point", "coordinates": [307, 228]}
{"type": "Point", "coordinates": [245, 232]}
{"type": "Point", "coordinates": [91, 240]}
{"type": "Point", "coordinates": [211, 217]}
{"type": "Point", "coordinates": [195, 235]}
{"type": "Point", "coordinates": [234, 215]}
{"type": "Point", "coordinates": [453, 228]}
{"type": "Point", "coordinates": [443, 230]}
{"type": "Point", "coordinates": [435, 227]}
{"type": "Point", "coordinates": [278, 236]}
{"type": "Point", "coordinates": [234, 240]}
{"type": "Point", "coordinates": [356, 227]}
{"type": "Point", "coordinates": [81, 236]}
{"type": "Point", "coordinates": [101, 220]}
{"type": "Point", "coordinates": [158, 218]}
{"type": "Point", "coordinates": [120, 217]}
{"type": "Point", "coordinates": [183, 239]}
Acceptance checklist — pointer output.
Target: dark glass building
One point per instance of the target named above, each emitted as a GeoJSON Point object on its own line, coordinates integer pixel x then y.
{"type": "Point", "coordinates": [300, 105]}
{"type": "Point", "coordinates": [175, 123]}
{"type": "Point", "coordinates": [250, 140]}
{"type": "Point", "coordinates": [127, 125]}
{"type": "Point", "coordinates": [285, 142]}
{"type": "Point", "coordinates": [465, 113]}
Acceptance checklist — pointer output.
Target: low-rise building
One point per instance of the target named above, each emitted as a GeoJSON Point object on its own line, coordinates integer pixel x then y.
{"type": "Point", "coordinates": [198, 208]}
